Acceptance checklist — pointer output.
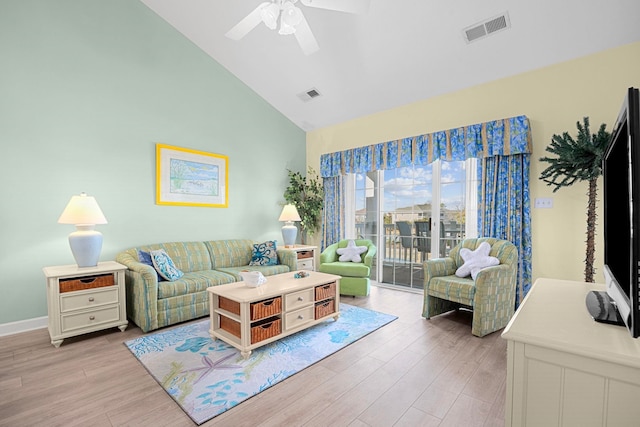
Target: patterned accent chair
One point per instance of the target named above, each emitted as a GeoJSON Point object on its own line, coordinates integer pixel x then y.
{"type": "Point", "coordinates": [491, 296]}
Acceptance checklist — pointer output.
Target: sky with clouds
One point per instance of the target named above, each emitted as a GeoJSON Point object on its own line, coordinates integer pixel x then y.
{"type": "Point", "coordinates": [406, 187]}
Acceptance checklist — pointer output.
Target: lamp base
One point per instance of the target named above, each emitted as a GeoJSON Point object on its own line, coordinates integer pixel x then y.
{"type": "Point", "coordinates": [86, 244]}
{"type": "Point", "coordinates": [289, 233]}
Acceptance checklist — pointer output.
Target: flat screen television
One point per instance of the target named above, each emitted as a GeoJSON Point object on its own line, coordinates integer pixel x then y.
{"type": "Point", "coordinates": [620, 303]}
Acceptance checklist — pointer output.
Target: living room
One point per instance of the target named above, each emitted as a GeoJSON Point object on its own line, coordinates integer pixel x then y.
{"type": "Point", "coordinates": [89, 88]}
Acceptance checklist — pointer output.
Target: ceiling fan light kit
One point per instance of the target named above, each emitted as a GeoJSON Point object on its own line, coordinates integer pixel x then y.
{"type": "Point", "coordinates": [292, 20]}
{"type": "Point", "coordinates": [269, 15]}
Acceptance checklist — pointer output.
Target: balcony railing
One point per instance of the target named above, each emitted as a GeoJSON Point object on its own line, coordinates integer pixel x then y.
{"type": "Point", "coordinates": [403, 246]}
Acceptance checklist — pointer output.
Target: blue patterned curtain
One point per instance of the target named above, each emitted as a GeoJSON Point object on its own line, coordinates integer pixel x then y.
{"type": "Point", "coordinates": [505, 147]}
{"type": "Point", "coordinates": [333, 212]}
{"type": "Point", "coordinates": [505, 209]}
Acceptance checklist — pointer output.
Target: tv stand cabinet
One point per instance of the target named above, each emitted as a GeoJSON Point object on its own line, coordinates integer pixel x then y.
{"type": "Point", "coordinates": [565, 369]}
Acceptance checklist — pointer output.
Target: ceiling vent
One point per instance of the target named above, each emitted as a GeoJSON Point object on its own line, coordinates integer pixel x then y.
{"type": "Point", "coordinates": [309, 94]}
{"type": "Point", "coordinates": [483, 29]}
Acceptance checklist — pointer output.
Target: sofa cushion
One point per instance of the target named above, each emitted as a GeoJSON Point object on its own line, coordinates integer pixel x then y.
{"type": "Point", "coordinates": [145, 258]}
{"type": "Point", "coordinates": [264, 253]}
{"type": "Point", "coordinates": [192, 282]}
{"type": "Point", "coordinates": [347, 269]}
{"type": "Point", "coordinates": [164, 265]}
{"type": "Point", "coordinates": [187, 256]}
{"type": "Point", "coordinates": [229, 253]}
{"type": "Point", "coordinates": [267, 270]}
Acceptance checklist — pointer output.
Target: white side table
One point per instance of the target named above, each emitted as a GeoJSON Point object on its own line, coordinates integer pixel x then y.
{"type": "Point", "coordinates": [306, 256]}
{"type": "Point", "coordinates": [82, 300]}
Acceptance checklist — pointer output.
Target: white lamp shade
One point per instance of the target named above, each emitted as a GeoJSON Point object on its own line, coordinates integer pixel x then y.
{"type": "Point", "coordinates": [82, 209]}
{"type": "Point", "coordinates": [289, 213]}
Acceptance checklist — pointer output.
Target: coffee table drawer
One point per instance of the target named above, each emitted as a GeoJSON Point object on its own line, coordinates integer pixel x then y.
{"type": "Point", "coordinates": [266, 308]}
{"type": "Point", "coordinates": [299, 317]}
{"type": "Point", "coordinates": [299, 299]}
{"type": "Point", "coordinates": [325, 308]}
{"type": "Point", "coordinates": [325, 291]}
{"type": "Point", "coordinates": [265, 329]}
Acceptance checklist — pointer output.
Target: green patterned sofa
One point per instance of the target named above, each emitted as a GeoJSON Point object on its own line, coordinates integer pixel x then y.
{"type": "Point", "coordinates": [491, 296]}
{"type": "Point", "coordinates": [152, 304]}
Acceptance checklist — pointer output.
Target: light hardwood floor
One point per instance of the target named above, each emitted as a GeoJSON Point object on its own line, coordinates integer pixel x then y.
{"type": "Point", "coordinates": [412, 372]}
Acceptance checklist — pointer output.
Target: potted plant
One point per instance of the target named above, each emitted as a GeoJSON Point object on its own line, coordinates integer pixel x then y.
{"type": "Point", "coordinates": [579, 160]}
{"type": "Point", "coordinates": [307, 195]}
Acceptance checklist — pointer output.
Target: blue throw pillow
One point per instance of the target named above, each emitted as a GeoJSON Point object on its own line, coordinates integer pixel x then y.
{"type": "Point", "coordinates": [164, 265]}
{"type": "Point", "coordinates": [264, 253]}
{"type": "Point", "coordinates": [145, 258]}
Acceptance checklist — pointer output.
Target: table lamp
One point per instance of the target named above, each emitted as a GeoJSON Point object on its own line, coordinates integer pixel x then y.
{"type": "Point", "coordinates": [289, 231]}
{"type": "Point", "coordinates": [86, 243]}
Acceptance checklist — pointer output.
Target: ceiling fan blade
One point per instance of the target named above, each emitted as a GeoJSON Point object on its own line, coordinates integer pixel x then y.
{"type": "Point", "coordinates": [305, 37]}
{"type": "Point", "coordinates": [247, 24]}
{"type": "Point", "coordinates": [349, 6]}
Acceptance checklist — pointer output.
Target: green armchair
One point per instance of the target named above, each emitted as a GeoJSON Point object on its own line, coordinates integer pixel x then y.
{"type": "Point", "coordinates": [355, 275]}
{"type": "Point", "coordinates": [491, 295]}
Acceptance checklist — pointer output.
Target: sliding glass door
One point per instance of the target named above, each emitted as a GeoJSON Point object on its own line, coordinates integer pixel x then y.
{"type": "Point", "coordinates": [411, 214]}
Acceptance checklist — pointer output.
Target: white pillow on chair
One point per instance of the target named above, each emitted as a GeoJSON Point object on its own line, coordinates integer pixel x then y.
{"type": "Point", "coordinates": [351, 252]}
{"type": "Point", "coordinates": [474, 261]}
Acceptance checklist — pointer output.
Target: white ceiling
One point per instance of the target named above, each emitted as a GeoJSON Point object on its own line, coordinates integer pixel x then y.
{"type": "Point", "coordinates": [400, 51]}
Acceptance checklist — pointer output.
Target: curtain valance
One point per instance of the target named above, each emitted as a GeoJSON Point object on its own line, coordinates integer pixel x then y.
{"type": "Point", "coordinates": [498, 137]}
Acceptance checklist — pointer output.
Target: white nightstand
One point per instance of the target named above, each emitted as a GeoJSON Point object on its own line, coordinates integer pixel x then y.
{"type": "Point", "coordinates": [306, 256]}
{"type": "Point", "coordinates": [82, 300]}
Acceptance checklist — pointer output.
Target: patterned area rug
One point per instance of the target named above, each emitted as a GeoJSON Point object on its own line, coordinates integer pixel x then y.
{"type": "Point", "coordinates": [207, 377]}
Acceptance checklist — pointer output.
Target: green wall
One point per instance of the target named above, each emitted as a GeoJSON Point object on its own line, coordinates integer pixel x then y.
{"type": "Point", "coordinates": [87, 88]}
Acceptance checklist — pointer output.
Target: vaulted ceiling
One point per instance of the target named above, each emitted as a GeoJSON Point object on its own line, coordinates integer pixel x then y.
{"type": "Point", "coordinates": [398, 51]}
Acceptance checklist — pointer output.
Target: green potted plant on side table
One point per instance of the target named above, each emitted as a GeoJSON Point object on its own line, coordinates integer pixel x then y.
{"type": "Point", "coordinates": [307, 195]}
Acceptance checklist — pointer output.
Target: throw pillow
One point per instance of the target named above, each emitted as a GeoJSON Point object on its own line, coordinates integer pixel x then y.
{"type": "Point", "coordinates": [145, 258]}
{"type": "Point", "coordinates": [474, 261]}
{"type": "Point", "coordinates": [164, 265]}
{"type": "Point", "coordinates": [264, 253]}
{"type": "Point", "coordinates": [351, 252]}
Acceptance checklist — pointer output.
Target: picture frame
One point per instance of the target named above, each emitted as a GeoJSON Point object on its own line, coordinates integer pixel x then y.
{"type": "Point", "coordinates": [186, 177]}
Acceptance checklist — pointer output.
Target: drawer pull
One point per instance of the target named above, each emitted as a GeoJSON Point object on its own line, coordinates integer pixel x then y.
{"type": "Point", "coordinates": [300, 299]}
{"type": "Point", "coordinates": [300, 317]}
{"type": "Point", "coordinates": [91, 299]}
{"type": "Point", "coordinates": [92, 317]}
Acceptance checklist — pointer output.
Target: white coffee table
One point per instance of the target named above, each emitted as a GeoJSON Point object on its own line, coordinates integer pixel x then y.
{"type": "Point", "coordinates": [247, 318]}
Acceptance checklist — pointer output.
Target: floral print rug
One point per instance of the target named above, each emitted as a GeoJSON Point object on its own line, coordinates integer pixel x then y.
{"type": "Point", "coordinates": [207, 377]}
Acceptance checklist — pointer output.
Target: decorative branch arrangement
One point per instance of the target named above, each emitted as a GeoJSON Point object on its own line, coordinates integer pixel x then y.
{"type": "Point", "coordinates": [578, 160]}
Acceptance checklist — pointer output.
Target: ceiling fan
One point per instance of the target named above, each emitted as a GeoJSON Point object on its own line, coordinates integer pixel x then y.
{"type": "Point", "coordinates": [292, 21]}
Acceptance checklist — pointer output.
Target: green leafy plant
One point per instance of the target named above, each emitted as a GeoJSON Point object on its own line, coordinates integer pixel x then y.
{"type": "Point", "coordinates": [307, 195]}
{"type": "Point", "coordinates": [578, 160]}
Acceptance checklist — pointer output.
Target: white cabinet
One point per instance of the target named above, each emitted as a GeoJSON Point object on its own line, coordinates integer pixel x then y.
{"type": "Point", "coordinates": [565, 369]}
{"type": "Point", "coordinates": [82, 300]}
{"type": "Point", "coordinates": [306, 256]}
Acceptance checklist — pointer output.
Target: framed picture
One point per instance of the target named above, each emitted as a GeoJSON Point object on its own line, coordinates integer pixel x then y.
{"type": "Point", "coordinates": [188, 177]}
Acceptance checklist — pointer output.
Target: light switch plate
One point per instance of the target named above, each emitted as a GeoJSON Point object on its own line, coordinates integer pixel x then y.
{"type": "Point", "coordinates": [543, 203]}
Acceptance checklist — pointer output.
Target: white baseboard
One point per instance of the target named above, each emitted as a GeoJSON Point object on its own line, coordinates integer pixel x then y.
{"type": "Point", "coordinates": [12, 328]}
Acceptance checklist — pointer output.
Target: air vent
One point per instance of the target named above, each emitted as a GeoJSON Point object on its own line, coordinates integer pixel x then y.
{"type": "Point", "coordinates": [309, 94]}
{"type": "Point", "coordinates": [483, 29]}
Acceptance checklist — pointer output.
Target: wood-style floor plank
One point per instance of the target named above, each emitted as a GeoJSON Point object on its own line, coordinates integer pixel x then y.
{"type": "Point", "coordinates": [412, 372]}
